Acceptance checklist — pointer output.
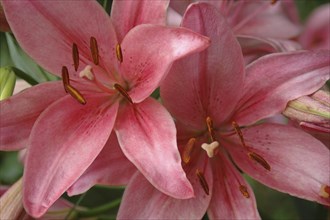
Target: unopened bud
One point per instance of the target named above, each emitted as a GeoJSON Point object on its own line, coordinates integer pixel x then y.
{"type": "Point", "coordinates": [7, 82]}
{"type": "Point", "coordinates": [313, 110]}
{"type": "Point", "coordinates": [11, 202]}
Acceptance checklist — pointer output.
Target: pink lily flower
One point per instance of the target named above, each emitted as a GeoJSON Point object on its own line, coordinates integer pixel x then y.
{"type": "Point", "coordinates": [108, 72]}
{"type": "Point", "coordinates": [262, 27]}
{"type": "Point", "coordinates": [316, 34]}
{"type": "Point", "coordinates": [214, 101]}
{"type": "Point", "coordinates": [267, 19]}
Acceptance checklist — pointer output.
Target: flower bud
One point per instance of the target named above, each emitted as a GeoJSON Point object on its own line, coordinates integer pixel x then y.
{"type": "Point", "coordinates": [7, 82]}
{"type": "Point", "coordinates": [311, 111]}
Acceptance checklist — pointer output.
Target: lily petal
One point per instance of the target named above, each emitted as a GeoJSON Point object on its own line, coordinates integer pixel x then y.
{"type": "Point", "coordinates": [135, 13]}
{"type": "Point", "coordinates": [299, 164]}
{"type": "Point", "coordinates": [204, 73]}
{"type": "Point", "coordinates": [255, 47]}
{"type": "Point", "coordinates": [78, 134]}
{"type": "Point", "coordinates": [228, 202]}
{"type": "Point", "coordinates": [154, 204]}
{"type": "Point", "coordinates": [19, 113]}
{"type": "Point", "coordinates": [273, 80]}
{"type": "Point", "coordinates": [148, 53]}
{"type": "Point", "coordinates": [46, 30]}
{"type": "Point", "coordinates": [147, 135]}
{"type": "Point", "coordinates": [111, 167]}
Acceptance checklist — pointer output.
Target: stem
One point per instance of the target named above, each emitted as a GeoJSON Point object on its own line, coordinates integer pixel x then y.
{"type": "Point", "coordinates": [99, 210]}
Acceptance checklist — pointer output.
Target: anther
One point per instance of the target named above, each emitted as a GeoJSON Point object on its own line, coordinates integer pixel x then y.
{"type": "Point", "coordinates": [210, 148]}
{"type": "Point", "coordinates": [186, 155]}
{"type": "Point", "coordinates": [209, 124]}
{"type": "Point", "coordinates": [75, 94]}
{"type": "Point", "coordinates": [123, 92]}
{"type": "Point", "coordinates": [87, 73]}
{"type": "Point", "coordinates": [259, 159]}
{"type": "Point", "coordinates": [65, 77]}
{"type": "Point", "coordinates": [273, 2]}
{"type": "Point", "coordinates": [325, 191]}
{"type": "Point", "coordinates": [244, 191]}
{"type": "Point", "coordinates": [119, 53]}
{"type": "Point", "coordinates": [75, 56]}
{"type": "Point", "coordinates": [94, 50]}
{"type": "Point", "coordinates": [239, 132]}
{"type": "Point", "coordinates": [202, 181]}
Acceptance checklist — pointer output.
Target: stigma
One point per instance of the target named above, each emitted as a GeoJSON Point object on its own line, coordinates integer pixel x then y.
{"type": "Point", "coordinates": [210, 148]}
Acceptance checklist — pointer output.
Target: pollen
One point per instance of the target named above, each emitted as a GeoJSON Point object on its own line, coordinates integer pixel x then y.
{"type": "Point", "coordinates": [65, 76]}
{"type": "Point", "coordinates": [75, 94]}
{"type": "Point", "coordinates": [210, 148]}
{"type": "Point", "coordinates": [259, 159]}
{"type": "Point", "coordinates": [75, 56]}
{"type": "Point", "coordinates": [94, 50]}
{"type": "Point", "coordinates": [210, 129]}
{"type": "Point", "coordinates": [239, 132]}
{"type": "Point", "coordinates": [244, 191]}
{"type": "Point", "coordinates": [119, 53]}
{"type": "Point", "coordinates": [186, 155]}
{"type": "Point", "coordinates": [87, 73]}
{"type": "Point", "coordinates": [203, 182]}
{"type": "Point", "coordinates": [123, 92]}
{"type": "Point", "coordinates": [325, 191]}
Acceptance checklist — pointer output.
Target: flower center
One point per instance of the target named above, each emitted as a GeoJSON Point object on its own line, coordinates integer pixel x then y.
{"type": "Point", "coordinates": [88, 74]}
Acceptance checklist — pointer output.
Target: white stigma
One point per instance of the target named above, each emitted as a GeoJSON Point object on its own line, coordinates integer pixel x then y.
{"type": "Point", "coordinates": [87, 73]}
{"type": "Point", "coordinates": [210, 148]}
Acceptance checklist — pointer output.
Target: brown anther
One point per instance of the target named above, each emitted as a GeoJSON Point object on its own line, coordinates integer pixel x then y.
{"type": "Point", "coordinates": [273, 2]}
{"type": "Point", "coordinates": [259, 159]}
{"type": "Point", "coordinates": [65, 77]}
{"type": "Point", "coordinates": [75, 56]}
{"type": "Point", "coordinates": [186, 155]}
{"type": "Point", "coordinates": [202, 181]}
{"type": "Point", "coordinates": [94, 50]}
{"type": "Point", "coordinates": [209, 124]}
{"type": "Point", "coordinates": [325, 191]}
{"type": "Point", "coordinates": [119, 53]}
{"type": "Point", "coordinates": [123, 92]}
{"type": "Point", "coordinates": [244, 191]}
{"type": "Point", "coordinates": [239, 133]}
{"type": "Point", "coordinates": [75, 94]}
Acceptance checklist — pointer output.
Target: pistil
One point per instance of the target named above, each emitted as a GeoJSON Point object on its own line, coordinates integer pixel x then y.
{"type": "Point", "coordinates": [210, 148]}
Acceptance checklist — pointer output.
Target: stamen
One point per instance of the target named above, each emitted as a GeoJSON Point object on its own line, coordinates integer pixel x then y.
{"type": "Point", "coordinates": [119, 53]}
{"type": "Point", "coordinates": [87, 73]}
{"type": "Point", "coordinates": [186, 155]}
{"type": "Point", "coordinates": [273, 2]}
{"type": "Point", "coordinates": [75, 56]}
{"type": "Point", "coordinates": [75, 94]}
{"type": "Point", "coordinates": [94, 50]}
{"type": "Point", "coordinates": [209, 124]}
{"type": "Point", "coordinates": [202, 181]}
{"type": "Point", "coordinates": [122, 91]}
{"type": "Point", "coordinates": [239, 132]}
{"type": "Point", "coordinates": [259, 159]}
{"type": "Point", "coordinates": [244, 191]}
{"type": "Point", "coordinates": [325, 191]}
{"type": "Point", "coordinates": [210, 148]}
{"type": "Point", "coordinates": [65, 77]}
